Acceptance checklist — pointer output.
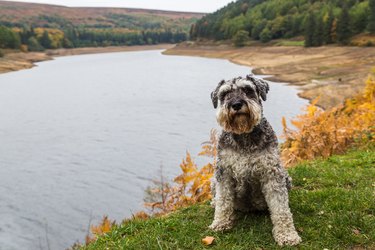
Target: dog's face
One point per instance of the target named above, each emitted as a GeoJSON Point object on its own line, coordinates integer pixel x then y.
{"type": "Point", "coordinates": [239, 103]}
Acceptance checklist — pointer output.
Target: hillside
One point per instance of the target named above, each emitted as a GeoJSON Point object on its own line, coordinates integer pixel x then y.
{"type": "Point", "coordinates": [54, 16]}
{"type": "Point", "coordinates": [35, 27]}
{"type": "Point", "coordinates": [319, 22]}
{"type": "Point", "coordinates": [332, 201]}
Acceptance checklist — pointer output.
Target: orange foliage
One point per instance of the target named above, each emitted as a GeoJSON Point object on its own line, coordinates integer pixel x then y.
{"type": "Point", "coordinates": [191, 186]}
{"type": "Point", "coordinates": [323, 133]}
{"type": "Point", "coordinates": [104, 227]}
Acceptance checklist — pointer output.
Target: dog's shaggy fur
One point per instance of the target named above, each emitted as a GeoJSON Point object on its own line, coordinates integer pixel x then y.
{"type": "Point", "coordinates": [249, 175]}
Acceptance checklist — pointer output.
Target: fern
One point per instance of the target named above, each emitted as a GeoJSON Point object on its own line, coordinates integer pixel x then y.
{"type": "Point", "coordinates": [324, 133]}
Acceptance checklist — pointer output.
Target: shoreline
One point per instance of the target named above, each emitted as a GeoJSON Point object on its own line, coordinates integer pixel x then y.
{"type": "Point", "coordinates": [329, 73]}
{"type": "Point", "coordinates": [15, 61]}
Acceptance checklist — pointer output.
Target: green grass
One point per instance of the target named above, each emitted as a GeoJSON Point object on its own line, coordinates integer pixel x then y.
{"type": "Point", "coordinates": [333, 203]}
{"type": "Point", "coordinates": [290, 43]}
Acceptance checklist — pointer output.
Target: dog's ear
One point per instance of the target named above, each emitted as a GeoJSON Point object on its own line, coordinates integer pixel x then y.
{"type": "Point", "coordinates": [261, 86]}
{"type": "Point", "coordinates": [214, 97]}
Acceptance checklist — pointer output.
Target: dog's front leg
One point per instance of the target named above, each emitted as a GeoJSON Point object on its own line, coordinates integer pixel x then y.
{"type": "Point", "coordinates": [224, 203]}
{"type": "Point", "coordinates": [276, 195]}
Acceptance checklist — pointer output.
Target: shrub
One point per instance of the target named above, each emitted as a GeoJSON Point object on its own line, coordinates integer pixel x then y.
{"type": "Point", "coordinates": [265, 36]}
{"type": "Point", "coordinates": [324, 133]}
{"type": "Point", "coordinates": [23, 48]}
{"type": "Point", "coordinates": [241, 38]}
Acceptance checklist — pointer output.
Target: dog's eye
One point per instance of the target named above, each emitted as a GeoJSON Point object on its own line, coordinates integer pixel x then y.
{"type": "Point", "coordinates": [223, 94]}
{"type": "Point", "coordinates": [248, 90]}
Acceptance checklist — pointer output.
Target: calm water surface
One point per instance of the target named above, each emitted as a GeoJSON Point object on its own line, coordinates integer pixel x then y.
{"type": "Point", "coordinates": [82, 136]}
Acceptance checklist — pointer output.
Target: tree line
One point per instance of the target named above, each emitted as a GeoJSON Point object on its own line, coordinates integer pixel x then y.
{"type": "Point", "coordinates": [320, 22]}
{"type": "Point", "coordinates": [39, 39]}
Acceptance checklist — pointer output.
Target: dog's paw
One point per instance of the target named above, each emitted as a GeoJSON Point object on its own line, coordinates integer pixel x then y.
{"type": "Point", "coordinates": [288, 238]}
{"type": "Point", "coordinates": [221, 226]}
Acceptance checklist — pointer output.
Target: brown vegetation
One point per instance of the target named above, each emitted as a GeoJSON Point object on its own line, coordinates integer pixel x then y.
{"type": "Point", "coordinates": [324, 133]}
{"type": "Point", "coordinates": [17, 11]}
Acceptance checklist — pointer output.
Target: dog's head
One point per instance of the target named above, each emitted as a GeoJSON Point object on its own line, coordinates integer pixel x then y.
{"type": "Point", "coordinates": [239, 103]}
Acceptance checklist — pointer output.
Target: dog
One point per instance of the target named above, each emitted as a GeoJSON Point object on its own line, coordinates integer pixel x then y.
{"type": "Point", "coordinates": [249, 175]}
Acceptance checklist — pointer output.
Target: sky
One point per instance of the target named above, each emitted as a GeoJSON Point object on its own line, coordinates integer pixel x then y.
{"type": "Point", "coordinates": [177, 5]}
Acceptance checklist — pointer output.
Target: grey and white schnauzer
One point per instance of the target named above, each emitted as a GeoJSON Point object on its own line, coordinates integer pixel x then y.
{"type": "Point", "coordinates": [249, 175]}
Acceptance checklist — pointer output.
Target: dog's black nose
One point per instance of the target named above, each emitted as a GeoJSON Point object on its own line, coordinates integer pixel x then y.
{"type": "Point", "coordinates": [237, 106]}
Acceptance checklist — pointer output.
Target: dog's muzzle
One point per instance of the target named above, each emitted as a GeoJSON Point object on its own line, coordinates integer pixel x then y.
{"type": "Point", "coordinates": [239, 116]}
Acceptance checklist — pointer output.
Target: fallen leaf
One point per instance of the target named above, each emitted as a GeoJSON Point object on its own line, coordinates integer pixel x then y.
{"type": "Point", "coordinates": [208, 240]}
{"type": "Point", "coordinates": [356, 231]}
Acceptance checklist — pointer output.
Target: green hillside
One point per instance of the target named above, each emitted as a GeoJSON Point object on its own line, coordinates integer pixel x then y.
{"type": "Point", "coordinates": [319, 22]}
{"type": "Point", "coordinates": [332, 201]}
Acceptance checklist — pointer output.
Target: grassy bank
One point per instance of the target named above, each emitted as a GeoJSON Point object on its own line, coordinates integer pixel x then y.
{"type": "Point", "coordinates": [334, 73]}
{"type": "Point", "coordinates": [332, 201]}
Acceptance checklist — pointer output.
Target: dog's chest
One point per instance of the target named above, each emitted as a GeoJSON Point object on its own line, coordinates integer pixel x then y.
{"type": "Point", "coordinates": [241, 165]}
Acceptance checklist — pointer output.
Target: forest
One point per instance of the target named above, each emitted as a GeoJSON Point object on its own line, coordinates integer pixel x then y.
{"type": "Point", "coordinates": [39, 39]}
{"type": "Point", "coordinates": [318, 22]}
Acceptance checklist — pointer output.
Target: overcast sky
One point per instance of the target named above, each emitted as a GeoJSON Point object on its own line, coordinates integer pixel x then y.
{"type": "Point", "coordinates": [179, 5]}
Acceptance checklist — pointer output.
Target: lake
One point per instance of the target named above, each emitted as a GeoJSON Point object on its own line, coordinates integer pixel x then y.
{"type": "Point", "coordinates": [83, 136]}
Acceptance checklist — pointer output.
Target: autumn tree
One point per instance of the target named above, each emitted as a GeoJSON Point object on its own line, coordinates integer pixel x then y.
{"type": "Point", "coordinates": [328, 25]}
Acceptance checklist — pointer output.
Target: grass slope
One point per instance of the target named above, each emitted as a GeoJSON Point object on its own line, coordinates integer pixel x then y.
{"type": "Point", "coordinates": [332, 202]}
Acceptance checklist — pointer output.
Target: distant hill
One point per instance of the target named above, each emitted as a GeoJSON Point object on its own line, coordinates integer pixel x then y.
{"type": "Point", "coordinates": [319, 22]}
{"type": "Point", "coordinates": [35, 27]}
{"type": "Point", "coordinates": [54, 16]}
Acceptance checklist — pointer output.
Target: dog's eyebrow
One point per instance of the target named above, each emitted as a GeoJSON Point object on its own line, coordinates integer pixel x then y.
{"type": "Point", "coordinates": [225, 88]}
{"type": "Point", "coordinates": [245, 83]}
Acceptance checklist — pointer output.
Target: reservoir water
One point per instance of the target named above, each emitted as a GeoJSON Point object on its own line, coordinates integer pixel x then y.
{"type": "Point", "coordinates": [83, 136]}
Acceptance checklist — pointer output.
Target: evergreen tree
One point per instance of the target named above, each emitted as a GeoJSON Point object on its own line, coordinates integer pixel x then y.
{"type": "Point", "coordinates": [309, 30]}
{"type": "Point", "coordinates": [371, 19]}
{"type": "Point", "coordinates": [343, 26]}
{"type": "Point", "coordinates": [45, 41]}
{"type": "Point", "coordinates": [318, 32]}
{"type": "Point", "coordinates": [34, 45]}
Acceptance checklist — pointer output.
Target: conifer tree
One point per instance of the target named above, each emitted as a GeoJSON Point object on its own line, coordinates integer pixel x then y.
{"type": "Point", "coordinates": [371, 19]}
{"type": "Point", "coordinates": [45, 41]}
{"type": "Point", "coordinates": [343, 26]}
{"type": "Point", "coordinates": [318, 32]}
{"type": "Point", "coordinates": [309, 30]}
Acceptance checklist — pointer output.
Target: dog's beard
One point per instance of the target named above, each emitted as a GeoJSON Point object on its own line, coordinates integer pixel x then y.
{"type": "Point", "coordinates": [240, 122]}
